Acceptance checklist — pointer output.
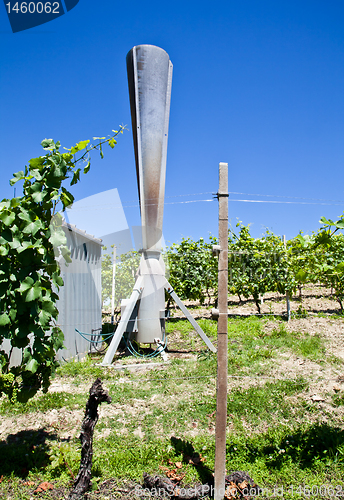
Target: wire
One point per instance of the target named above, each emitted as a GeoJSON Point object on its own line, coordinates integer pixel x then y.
{"type": "Point", "coordinates": [259, 377]}
{"type": "Point", "coordinates": [109, 206]}
{"type": "Point", "coordinates": [282, 196]}
{"type": "Point", "coordinates": [317, 201]}
{"type": "Point", "coordinates": [285, 202]}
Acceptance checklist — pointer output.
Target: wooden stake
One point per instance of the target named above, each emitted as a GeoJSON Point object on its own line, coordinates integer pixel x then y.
{"type": "Point", "coordinates": [222, 338]}
{"type": "Point", "coordinates": [287, 294]}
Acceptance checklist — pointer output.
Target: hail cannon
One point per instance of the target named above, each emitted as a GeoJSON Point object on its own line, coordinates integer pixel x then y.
{"type": "Point", "coordinates": [143, 314]}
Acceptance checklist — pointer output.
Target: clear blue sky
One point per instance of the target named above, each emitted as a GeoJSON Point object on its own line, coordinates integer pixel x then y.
{"type": "Point", "coordinates": [257, 84]}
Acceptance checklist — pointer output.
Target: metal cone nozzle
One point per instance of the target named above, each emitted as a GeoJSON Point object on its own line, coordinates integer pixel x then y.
{"type": "Point", "coordinates": [150, 79]}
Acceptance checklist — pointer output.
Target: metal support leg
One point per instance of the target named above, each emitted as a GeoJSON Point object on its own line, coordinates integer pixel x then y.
{"type": "Point", "coordinates": [198, 329]}
{"type": "Point", "coordinates": [135, 295]}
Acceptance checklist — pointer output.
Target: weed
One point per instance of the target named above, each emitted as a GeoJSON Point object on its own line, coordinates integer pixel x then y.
{"type": "Point", "coordinates": [338, 399]}
{"type": "Point", "coordinates": [301, 312]}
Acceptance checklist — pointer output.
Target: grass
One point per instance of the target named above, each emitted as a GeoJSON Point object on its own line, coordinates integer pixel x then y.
{"type": "Point", "coordinates": [44, 403]}
{"type": "Point", "coordinates": [164, 415]}
{"type": "Point", "coordinates": [249, 342]}
{"type": "Point", "coordinates": [87, 368]}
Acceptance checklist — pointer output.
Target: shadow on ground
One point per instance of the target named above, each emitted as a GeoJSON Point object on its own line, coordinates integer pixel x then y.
{"type": "Point", "coordinates": [304, 447]}
{"type": "Point", "coordinates": [25, 451]}
{"type": "Point", "coordinates": [191, 456]}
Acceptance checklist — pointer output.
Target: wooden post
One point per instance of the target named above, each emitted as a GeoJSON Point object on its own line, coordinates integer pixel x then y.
{"type": "Point", "coordinates": [113, 286]}
{"type": "Point", "coordinates": [287, 294]}
{"type": "Point", "coordinates": [222, 338]}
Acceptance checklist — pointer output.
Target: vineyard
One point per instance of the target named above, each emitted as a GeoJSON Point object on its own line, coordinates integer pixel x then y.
{"type": "Point", "coordinates": [257, 266]}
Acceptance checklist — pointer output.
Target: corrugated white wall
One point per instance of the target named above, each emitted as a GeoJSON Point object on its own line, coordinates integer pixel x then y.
{"type": "Point", "coordinates": [79, 301]}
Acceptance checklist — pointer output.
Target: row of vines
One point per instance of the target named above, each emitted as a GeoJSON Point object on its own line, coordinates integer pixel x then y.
{"type": "Point", "coordinates": [256, 265]}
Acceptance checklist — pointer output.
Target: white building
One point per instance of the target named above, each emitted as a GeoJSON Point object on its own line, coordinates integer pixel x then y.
{"type": "Point", "coordinates": [80, 298]}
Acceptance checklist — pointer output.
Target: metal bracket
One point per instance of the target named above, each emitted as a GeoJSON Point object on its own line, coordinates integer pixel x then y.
{"type": "Point", "coordinates": [122, 325]}
{"type": "Point", "coordinates": [221, 195]}
{"type": "Point", "coordinates": [216, 249]}
{"type": "Point", "coordinates": [188, 316]}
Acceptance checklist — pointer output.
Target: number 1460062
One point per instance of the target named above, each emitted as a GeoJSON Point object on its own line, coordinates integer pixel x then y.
{"type": "Point", "coordinates": [33, 7]}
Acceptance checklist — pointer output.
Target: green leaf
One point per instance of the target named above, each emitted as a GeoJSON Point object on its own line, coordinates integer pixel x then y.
{"type": "Point", "coordinates": [76, 177]}
{"type": "Point", "coordinates": [67, 157]}
{"type": "Point", "coordinates": [32, 227]}
{"type": "Point", "coordinates": [57, 238]}
{"type": "Point", "coordinates": [5, 204]}
{"type": "Point", "coordinates": [32, 365]}
{"type": "Point", "coordinates": [17, 177]}
{"type": "Point", "coordinates": [15, 202]}
{"type": "Point", "coordinates": [79, 146]}
{"type": "Point", "coordinates": [82, 144]}
{"type": "Point", "coordinates": [44, 317]}
{"type": "Point", "coordinates": [87, 168]}
{"type": "Point", "coordinates": [66, 255]}
{"type": "Point", "coordinates": [27, 355]}
{"type": "Point", "coordinates": [323, 238]}
{"type": "Point", "coordinates": [7, 217]}
{"type": "Point", "coordinates": [13, 314]}
{"type": "Point", "coordinates": [26, 284]}
{"type": "Point", "coordinates": [38, 197]}
{"type": "Point", "coordinates": [327, 222]}
{"type": "Point", "coordinates": [57, 280]}
{"type": "Point", "coordinates": [37, 162]}
{"type": "Point", "coordinates": [23, 246]}
{"type": "Point", "coordinates": [3, 250]}
{"type": "Point", "coordinates": [4, 319]}
{"type": "Point", "coordinates": [34, 293]}
{"type": "Point", "coordinates": [48, 144]}
{"type": "Point", "coordinates": [57, 172]}
{"type": "Point", "coordinates": [301, 276]}
{"type": "Point", "coordinates": [26, 215]}
{"type": "Point", "coordinates": [66, 198]}
{"type": "Point", "coordinates": [112, 143]}
{"type": "Point", "coordinates": [33, 289]}
{"type": "Point", "coordinates": [58, 338]}
{"type": "Point", "coordinates": [49, 306]}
